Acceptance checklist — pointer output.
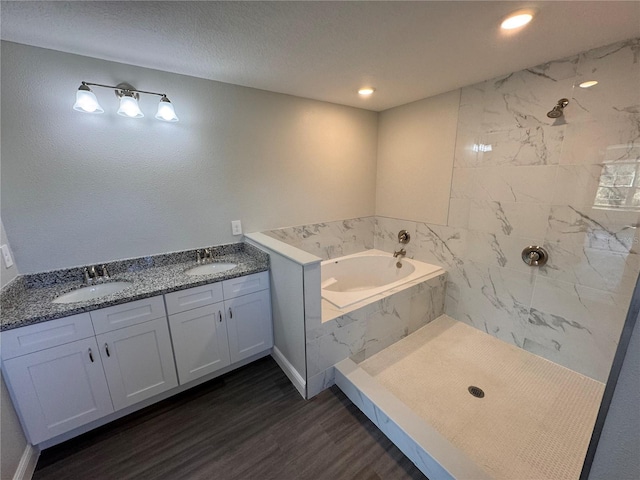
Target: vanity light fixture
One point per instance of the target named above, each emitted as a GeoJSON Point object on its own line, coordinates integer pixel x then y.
{"type": "Point", "coordinates": [87, 102]}
{"type": "Point", "coordinates": [517, 19]}
{"type": "Point", "coordinates": [589, 83]}
{"type": "Point", "coordinates": [129, 104]}
{"type": "Point", "coordinates": [366, 91]}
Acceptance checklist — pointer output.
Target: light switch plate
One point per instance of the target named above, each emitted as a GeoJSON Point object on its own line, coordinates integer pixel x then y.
{"type": "Point", "coordinates": [6, 254]}
{"type": "Point", "coordinates": [236, 227]}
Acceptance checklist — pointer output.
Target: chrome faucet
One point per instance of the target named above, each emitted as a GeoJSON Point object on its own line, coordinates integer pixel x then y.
{"type": "Point", "coordinates": [92, 276]}
{"type": "Point", "coordinates": [204, 256]}
{"type": "Point", "coordinates": [400, 253]}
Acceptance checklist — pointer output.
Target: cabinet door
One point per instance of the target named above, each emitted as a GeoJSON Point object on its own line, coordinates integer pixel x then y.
{"type": "Point", "coordinates": [59, 389]}
{"type": "Point", "coordinates": [250, 330]}
{"type": "Point", "coordinates": [200, 341]}
{"type": "Point", "coordinates": [138, 362]}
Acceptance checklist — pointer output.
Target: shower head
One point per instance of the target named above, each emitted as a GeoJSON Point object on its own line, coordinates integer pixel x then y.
{"type": "Point", "coordinates": [558, 110]}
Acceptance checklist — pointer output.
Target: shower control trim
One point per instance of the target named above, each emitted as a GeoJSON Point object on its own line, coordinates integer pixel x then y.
{"type": "Point", "coordinates": [535, 256]}
{"type": "Point", "coordinates": [404, 237]}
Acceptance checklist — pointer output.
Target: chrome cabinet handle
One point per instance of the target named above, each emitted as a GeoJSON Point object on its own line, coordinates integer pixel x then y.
{"type": "Point", "coordinates": [91, 355]}
{"type": "Point", "coordinates": [106, 349]}
{"type": "Point", "coordinates": [220, 315]}
{"type": "Point", "coordinates": [230, 313]}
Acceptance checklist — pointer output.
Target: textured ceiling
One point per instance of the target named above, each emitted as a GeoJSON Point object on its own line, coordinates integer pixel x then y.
{"type": "Point", "coordinates": [323, 50]}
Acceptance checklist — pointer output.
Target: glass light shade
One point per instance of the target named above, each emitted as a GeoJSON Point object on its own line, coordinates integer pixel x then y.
{"type": "Point", "coordinates": [166, 111]}
{"type": "Point", "coordinates": [129, 107]}
{"type": "Point", "coordinates": [86, 101]}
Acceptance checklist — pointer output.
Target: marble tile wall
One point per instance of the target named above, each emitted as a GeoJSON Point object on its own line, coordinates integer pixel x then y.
{"type": "Point", "coordinates": [521, 178]}
{"type": "Point", "coordinates": [366, 331]}
{"type": "Point", "coordinates": [567, 184]}
{"type": "Point", "coordinates": [330, 239]}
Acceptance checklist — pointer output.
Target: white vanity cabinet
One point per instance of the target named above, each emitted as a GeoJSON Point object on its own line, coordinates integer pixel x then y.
{"type": "Point", "coordinates": [66, 373]}
{"type": "Point", "coordinates": [217, 325]}
{"type": "Point", "coordinates": [60, 387]}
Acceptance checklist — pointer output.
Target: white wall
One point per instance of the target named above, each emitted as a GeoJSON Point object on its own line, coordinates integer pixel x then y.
{"type": "Point", "coordinates": [79, 188]}
{"type": "Point", "coordinates": [416, 143]}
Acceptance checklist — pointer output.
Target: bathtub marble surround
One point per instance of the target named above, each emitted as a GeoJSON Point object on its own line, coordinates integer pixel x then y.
{"type": "Point", "coordinates": [329, 239]}
{"type": "Point", "coordinates": [368, 329]}
{"type": "Point", "coordinates": [27, 300]}
{"type": "Point", "coordinates": [427, 374]}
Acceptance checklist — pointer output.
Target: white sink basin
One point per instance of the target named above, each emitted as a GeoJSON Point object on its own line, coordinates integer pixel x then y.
{"type": "Point", "coordinates": [92, 291]}
{"type": "Point", "coordinates": [210, 268]}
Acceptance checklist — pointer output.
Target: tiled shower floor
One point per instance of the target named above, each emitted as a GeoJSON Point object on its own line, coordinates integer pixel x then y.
{"type": "Point", "coordinates": [536, 417]}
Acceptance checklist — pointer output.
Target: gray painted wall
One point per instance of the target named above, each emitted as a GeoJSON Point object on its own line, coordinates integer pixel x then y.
{"type": "Point", "coordinates": [80, 188]}
{"type": "Point", "coordinates": [6, 274]}
{"type": "Point", "coordinates": [618, 453]}
{"type": "Point", "coordinates": [12, 440]}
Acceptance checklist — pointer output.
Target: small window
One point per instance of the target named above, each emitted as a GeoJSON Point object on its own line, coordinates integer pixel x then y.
{"type": "Point", "coordinates": [619, 186]}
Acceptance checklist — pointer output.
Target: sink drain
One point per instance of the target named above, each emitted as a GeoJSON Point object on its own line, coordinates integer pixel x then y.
{"type": "Point", "coordinates": [476, 391]}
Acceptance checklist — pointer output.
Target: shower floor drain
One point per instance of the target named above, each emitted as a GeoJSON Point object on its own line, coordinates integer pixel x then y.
{"type": "Point", "coordinates": [476, 391]}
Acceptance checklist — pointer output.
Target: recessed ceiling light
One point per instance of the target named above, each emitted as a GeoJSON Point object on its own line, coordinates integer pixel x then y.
{"type": "Point", "coordinates": [366, 91]}
{"type": "Point", "coordinates": [588, 84]}
{"type": "Point", "coordinates": [517, 19]}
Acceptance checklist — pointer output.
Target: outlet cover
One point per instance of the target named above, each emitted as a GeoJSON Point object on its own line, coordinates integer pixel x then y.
{"type": "Point", "coordinates": [6, 255]}
{"type": "Point", "coordinates": [236, 227]}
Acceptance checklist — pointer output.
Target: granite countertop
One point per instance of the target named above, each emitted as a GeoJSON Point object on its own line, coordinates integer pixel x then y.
{"type": "Point", "coordinates": [28, 299]}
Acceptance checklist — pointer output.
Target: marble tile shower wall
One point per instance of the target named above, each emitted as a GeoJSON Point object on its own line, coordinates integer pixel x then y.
{"type": "Point", "coordinates": [521, 178]}
{"type": "Point", "coordinates": [570, 185]}
{"type": "Point", "coordinates": [330, 239]}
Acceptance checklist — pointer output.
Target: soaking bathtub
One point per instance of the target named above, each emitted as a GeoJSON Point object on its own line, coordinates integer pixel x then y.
{"type": "Point", "coordinates": [348, 280]}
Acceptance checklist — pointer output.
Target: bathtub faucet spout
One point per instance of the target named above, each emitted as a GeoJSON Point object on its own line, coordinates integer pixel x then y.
{"type": "Point", "coordinates": [400, 253]}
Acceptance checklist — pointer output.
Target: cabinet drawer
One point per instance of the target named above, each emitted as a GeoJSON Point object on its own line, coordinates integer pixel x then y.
{"type": "Point", "coordinates": [127, 314]}
{"type": "Point", "coordinates": [244, 285]}
{"type": "Point", "coordinates": [32, 338]}
{"type": "Point", "coordinates": [191, 298]}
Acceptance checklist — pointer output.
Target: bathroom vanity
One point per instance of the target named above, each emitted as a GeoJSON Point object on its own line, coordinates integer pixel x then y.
{"type": "Point", "coordinates": [70, 374]}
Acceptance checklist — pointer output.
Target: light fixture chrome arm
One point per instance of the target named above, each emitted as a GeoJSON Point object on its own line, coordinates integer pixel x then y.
{"type": "Point", "coordinates": [124, 87]}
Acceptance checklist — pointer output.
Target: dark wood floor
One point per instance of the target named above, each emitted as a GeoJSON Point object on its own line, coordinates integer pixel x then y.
{"type": "Point", "coordinates": [248, 424]}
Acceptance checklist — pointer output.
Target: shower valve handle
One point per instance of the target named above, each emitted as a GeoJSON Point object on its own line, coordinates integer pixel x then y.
{"type": "Point", "coordinates": [534, 256]}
